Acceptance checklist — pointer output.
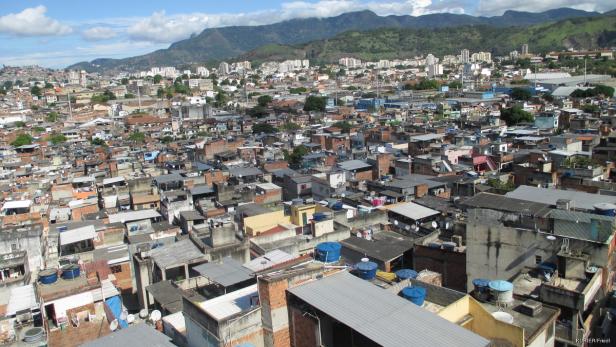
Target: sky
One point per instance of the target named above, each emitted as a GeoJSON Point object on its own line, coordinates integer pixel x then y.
{"type": "Point", "coordinates": [57, 33]}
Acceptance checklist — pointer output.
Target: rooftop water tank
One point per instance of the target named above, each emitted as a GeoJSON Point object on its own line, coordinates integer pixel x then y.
{"type": "Point", "coordinates": [319, 216]}
{"type": "Point", "coordinates": [450, 246]}
{"type": "Point", "coordinates": [481, 284]}
{"type": "Point", "coordinates": [434, 245]}
{"type": "Point", "coordinates": [70, 272]}
{"type": "Point", "coordinates": [502, 291]}
{"type": "Point", "coordinates": [404, 274]}
{"type": "Point", "coordinates": [366, 269]}
{"type": "Point", "coordinates": [337, 206]}
{"type": "Point", "coordinates": [605, 209]}
{"type": "Point", "coordinates": [48, 276]}
{"type": "Point", "coordinates": [327, 252]}
{"type": "Point", "coordinates": [416, 295]}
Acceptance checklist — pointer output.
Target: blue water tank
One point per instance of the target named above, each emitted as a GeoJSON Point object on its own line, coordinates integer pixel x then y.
{"type": "Point", "coordinates": [366, 270]}
{"type": "Point", "coordinates": [70, 272]}
{"type": "Point", "coordinates": [327, 252]}
{"type": "Point", "coordinates": [337, 206]}
{"type": "Point", "coordinates": [48, 276]}
{"type": "Point", "coordinates": [319, 216]}
{"type": "Point", "coordinates": [416, 295]}
{"type": "Point", "coordinates": [450, 246]}
{"type": "Point", "coordinates": [434, 245]}
{"type": "Point", "coordinates": [404, 274]}
{"type": "Point", "coordinates": [481, 284]}
{"type": "Point", "coordinates": [605, 209]}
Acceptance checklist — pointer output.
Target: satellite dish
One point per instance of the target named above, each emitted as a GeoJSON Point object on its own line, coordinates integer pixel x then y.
{"type": "Point", "coordinates": [130, 318]}
{"type": "Point", "coordinates": [395, 222]}
{"type": "Point", "coordinates": [407, 227]}
{"type": "Point", "coordinates": [447, 225]}
{"type": "Point", "coordinates": [551, 237]}
{"type": "Point", "coordinates": [143, 313]}
{"type": "Point", "coordinates": [434, 224]}
{"type": "Point", "coordinates": [124, 315]}
{"type": "Point", "coordinates": [414, 227]}
{"type": "Point", "coordinates": [155, 315]}
{"type": "Point", "coordinates": [113, 326]}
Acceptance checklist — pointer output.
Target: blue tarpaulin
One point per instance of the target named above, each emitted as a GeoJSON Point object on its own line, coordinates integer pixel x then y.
{"type": "Point", "coordinates": [115, 305]}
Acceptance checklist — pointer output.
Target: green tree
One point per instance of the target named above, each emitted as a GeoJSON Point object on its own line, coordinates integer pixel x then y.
{"type": "Point", "coordinates": [20, 124]}
{"type": "Point", "coordinates": [22, 140]}
{"type": "Point", "coordinates": [166, 139]}
{"type": "Point", "coordinates": [258, 112]}
{"type": "Point", "coordinates": [590, 108]}
{"type": "Point", "coordinates": [515, 115]}
{"type": "Point", "coordinates": [97, 141]}
{"type": "Point", "coordinates": [344, 126]}
{"type": "Point", "coordinates": [129, 96]}
{"type": "Point", "coordinates": [298, 90]}
{"type": "Point", "coordinates": [36, 90]}
{"type": "Point", "coordinates": [263, 128]}
{"type": "Point", "coordinates": [52, 117]}
{"type": "Point", "coordinates": [56, 138]}
{"type": "Point", "coordinates": [290, 126]}
{"type": "Point", "coordinates": [424, 84]}
{"type": "Point", "coordinates": [137, 137]}
{"type": "Point", "coordinates": [264, 100]}
{"type": "Point", "coordinates": [160, 93]}
{"type": "Point", "coordinates": [455, 85]}
{"type": "Point", "coordinates": [315, 103]}
{"type": "Point", "coordinates": [221, 99]}
{"type": "Point", "coordinates": [295, 158]}
{"type": "Point", "coordinates": [520, 94]}
{"type": "Point", "coordinates": [48, 85]}
{"type": "Point", "coordinates": [157, 79]}
{"type": "Point", "coordinates": [125, 81]}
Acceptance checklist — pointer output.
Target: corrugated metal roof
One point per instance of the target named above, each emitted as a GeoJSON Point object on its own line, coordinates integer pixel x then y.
{"type": "Point", "coordinates": [579, 200]}
{"type": "Point", "coordinates": [21, 298]}
{"type": "Point", "coordinates": [76, 235]}
{"type": "Point", "coordinates": [175, 254]}
{"type": "Point", "coordinates": [381, 316]}
{"type": "Point", "coordinates": [413, 211]}
{"type": "Point", "coordinates": [230, 304]}
{"type": "Point", "coordinates": [227, 273]}
{"type": "Point", "coordinates": [353, 165]}
{"type": "Point", "coordinates": [125, 217]}
{"type": "Point", "coordinates": [134, 335]}
{"type": "Point", "coordinates": [268, 260]}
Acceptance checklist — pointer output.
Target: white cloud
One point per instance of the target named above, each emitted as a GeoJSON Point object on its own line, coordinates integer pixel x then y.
{"type": "Point", "coordinates": [99, 33]}
{"type": "Point", "coordinates": [32, 22]}
{"type": "Point", "coordinates": [497, 7]}
{"type": "Point", "coordinates": [160, 27]}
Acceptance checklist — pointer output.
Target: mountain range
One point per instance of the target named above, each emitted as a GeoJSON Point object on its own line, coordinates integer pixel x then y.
{"type": "Point", "coordinates": [216, 44]}
{"type": "Point", "coordinates": [392, 43]}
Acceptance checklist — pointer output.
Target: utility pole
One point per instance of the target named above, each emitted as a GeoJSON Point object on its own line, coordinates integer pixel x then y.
{"type": "Point", "coordinates": [139, 96]}
{"type": "Point", "coordinates": [70, 109]}
{"type": "Point", "coordinates": [584, 70]}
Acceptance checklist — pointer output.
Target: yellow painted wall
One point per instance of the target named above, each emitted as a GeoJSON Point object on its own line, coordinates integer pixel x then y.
{"type": "Point", "coordinates": [298, 210]}
{"type": "Point", "coordinates": [483, 323]}
{"type": "Point", "coordinates": [257, 224]}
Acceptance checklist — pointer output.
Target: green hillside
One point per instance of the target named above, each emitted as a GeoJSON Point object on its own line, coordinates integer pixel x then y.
{"type": "Point", "coordinates": [578, 33]}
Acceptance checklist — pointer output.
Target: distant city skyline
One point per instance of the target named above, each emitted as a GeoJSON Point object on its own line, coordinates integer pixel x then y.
{"type": "Point", "coordinates": [57, 33]}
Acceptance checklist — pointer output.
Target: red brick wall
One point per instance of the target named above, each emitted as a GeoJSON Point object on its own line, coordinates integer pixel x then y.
{"type": "Point", "coordinates": [421, 190]}
{"type": "Point", "coordinates": [276, 165]}
{"type": "Point", "coordinates": [363, 175]}
{"type": "Point", "coordinates": [212, 177]}
{"type": "Point", "coordinates": [303, 330]}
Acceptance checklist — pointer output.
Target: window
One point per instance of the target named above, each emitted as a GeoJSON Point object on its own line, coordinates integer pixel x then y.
{"type": "Point", "coordinates": [14, 247]}
{"type": "Point", "coordinates": [538, 260]}
{"type": "Point", "coordinates": [115, 269]}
